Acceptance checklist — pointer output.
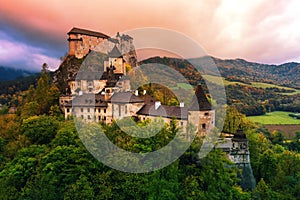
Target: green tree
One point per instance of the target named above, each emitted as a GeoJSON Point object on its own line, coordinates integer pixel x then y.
{"type": "Point", "coordinates": [66, 135]}
{"type": "Point", "coordinates": [267, 165]}
{"type": "Point", "coordinates": [81, 189]}
{"type": "Point", "coordinates": [18, 171]}
{"type": "Point", "coordinates": [40, 129]}
{"type": "Point", "coordinates": [30, 109]}
{"type": "Point", "coordinates": [265, 192]}
{"type": "Point", "coordinates": [277, 137]}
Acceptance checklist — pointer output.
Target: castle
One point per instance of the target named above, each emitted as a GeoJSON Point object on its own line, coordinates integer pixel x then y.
{"type": "Point", "coordinates": [110, 97]}
{"type": "Point", "coordinates": [237, 149]}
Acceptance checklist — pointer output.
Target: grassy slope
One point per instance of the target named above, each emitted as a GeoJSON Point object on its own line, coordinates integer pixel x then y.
{"type": "Point", "coordinates": [216, 80]}
{"type": "Point", "coordinates": [267, 85]}
{"type": "Point", "coordinates": [277, 117]}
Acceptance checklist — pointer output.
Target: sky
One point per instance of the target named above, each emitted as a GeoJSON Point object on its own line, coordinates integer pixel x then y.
{"type": "Point", "coordinates": [33, 32]}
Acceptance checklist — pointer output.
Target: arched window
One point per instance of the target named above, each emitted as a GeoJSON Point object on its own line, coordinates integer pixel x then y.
{"type": "Point", "coordinates": [203, 126]}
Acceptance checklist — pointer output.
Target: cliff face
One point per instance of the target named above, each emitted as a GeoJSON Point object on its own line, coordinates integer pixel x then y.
{"type": "Point", "coordinates": [67, 70]}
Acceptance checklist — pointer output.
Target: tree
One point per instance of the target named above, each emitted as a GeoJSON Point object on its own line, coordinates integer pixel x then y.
{"type": "Point", "coordinates": [30, 109]}
{"type": "Point", "coordinates": [267, 165]}
{"type": "Point", "coordinates": [81, 189]}
{"type": "Point", "coordinates": [277, 137]}
{"type": "Point", "coordinates": [39, 101]}
{"type": "Point", "coordinates": [234, 119]}
{"type": "Point", "coordinates": [66, 135]}
{"type": "Point", "coordinates": [40, 129]}
{"type": "Point", "coordinates": [17, 172]}
{"type": "Point", "coordinates": [265, 192]}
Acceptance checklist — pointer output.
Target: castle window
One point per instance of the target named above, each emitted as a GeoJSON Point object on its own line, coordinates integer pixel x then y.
{"type": "Point", "coordinates": [89, 117]}
{"type": "Point", "coordinates": [104, 118]}
{"type": "Point", "coordinates": [119, 110]}
{"type": "Point", "coordinates": [181, 123]}
{"type": "Point", "coordinates": [99, 110]}
{"type": "Point", "coordinates": [68, 110]}
{"type": "Point", "coordinates": [203, 126]}
{"type": "Point", "coordinates": [81, 109]}
{"type": "Point", "coordinates": [206, 114]}
{"type": "Point", "coordinates": [99, 118]}
{"type": "Point", "coordinates": [104, 110]}
{"type": "Point", "coordinates": [125, 109]}
{"type": "Point", "coordinates": [88, 109]}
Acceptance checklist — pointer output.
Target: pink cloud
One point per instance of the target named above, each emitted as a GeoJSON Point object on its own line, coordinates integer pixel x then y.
{"type": "Point", "coordinates": [257, 30]}
{"type": "Point", "coordinates": [20, 55]}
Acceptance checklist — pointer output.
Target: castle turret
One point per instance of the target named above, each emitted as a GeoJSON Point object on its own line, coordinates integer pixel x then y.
{"type": "Point", "coordinates": [116, 59]}
{"type": "Point", "coordinates": [200, 113]}
{"type": "Point", "coordinates": [239, 151]}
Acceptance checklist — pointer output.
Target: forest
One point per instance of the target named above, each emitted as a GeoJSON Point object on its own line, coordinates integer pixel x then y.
{"type": "Point", "coordinates": [42, 157]}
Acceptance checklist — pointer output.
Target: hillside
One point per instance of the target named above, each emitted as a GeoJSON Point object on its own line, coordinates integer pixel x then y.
{"type": "Point", "coordinates": [286, 74]}
{"type": "Point", "coordinates": [7, 73]}
{"type": "Point", "coordinates": [245, 82]}
{"type": "Point", "coordinates": [238, 70]}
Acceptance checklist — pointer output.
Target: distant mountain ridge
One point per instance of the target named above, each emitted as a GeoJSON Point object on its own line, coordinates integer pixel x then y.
{"type": "Point", "coordinates": [7, 73]}
{"type": "Point", "coordinates": [286, 74]}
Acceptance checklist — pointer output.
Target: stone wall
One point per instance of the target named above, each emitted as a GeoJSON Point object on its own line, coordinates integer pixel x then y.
{"type": "Point", "coordinates": [80, 45]}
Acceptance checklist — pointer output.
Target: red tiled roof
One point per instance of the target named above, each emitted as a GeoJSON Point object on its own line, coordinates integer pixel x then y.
{"type": "Point", "coordinates": [164, 111]}
{"type": "Point", "coordinates": [87, 32]}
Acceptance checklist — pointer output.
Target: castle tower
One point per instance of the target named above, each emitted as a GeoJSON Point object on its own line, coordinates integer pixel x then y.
{"type": "Point", "coordinates": [239, 153]}
{"type": "Point", "coordinates": [116, 59]}
{"type": "Point", "coordinates": [81, 41]}
{"type": "Point", "coordinates": [200, 113]}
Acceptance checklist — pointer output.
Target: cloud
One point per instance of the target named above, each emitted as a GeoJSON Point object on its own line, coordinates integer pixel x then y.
{"type": "Point", "coordinates": [20, 55]}
{"type": "Point", "coordinates": [256, 30]}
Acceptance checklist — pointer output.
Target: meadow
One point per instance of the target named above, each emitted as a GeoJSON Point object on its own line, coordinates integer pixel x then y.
{"type": "Point", "coordinates": [219, 81]}
{"type": "Point", "coordinates": [277, 117]}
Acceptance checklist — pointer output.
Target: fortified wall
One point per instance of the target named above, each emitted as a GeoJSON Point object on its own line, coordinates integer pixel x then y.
{"type": "Point", "coordinates": [82, 41]}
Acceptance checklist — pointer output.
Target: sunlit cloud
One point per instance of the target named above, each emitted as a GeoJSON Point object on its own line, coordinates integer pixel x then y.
{"type": "Point", "coordinates": [18, 55]}
{"type": "Point", "coordinates": [256, 30]}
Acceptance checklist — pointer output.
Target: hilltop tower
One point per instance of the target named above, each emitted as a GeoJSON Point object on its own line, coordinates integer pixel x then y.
{"type": "Point", "coordinates": [200, 113]}
{"type": "Point", "coordinates": [116, 60]}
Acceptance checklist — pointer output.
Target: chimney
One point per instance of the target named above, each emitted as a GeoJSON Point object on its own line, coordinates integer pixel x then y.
{"type": "Point", "coordinates": [144, 92]}
{"type": "Point", "coordinates": [136, 93]}
{"type": "Point", "coordinates": [157, 104]}
{"type": "Point", "coordinates": [181, 105]}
